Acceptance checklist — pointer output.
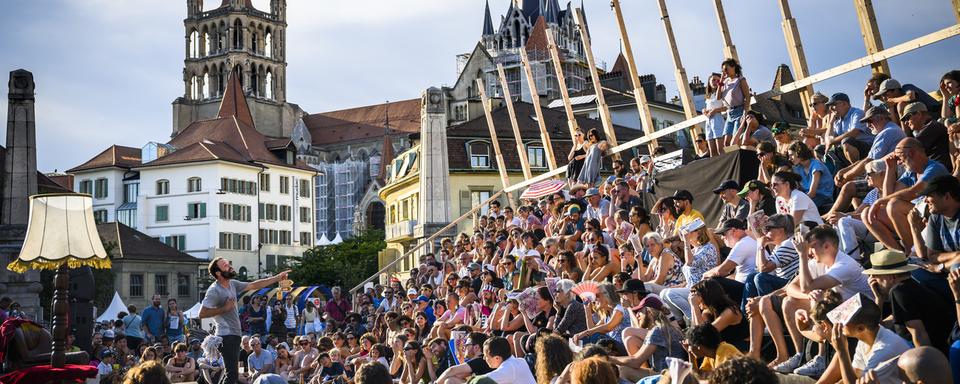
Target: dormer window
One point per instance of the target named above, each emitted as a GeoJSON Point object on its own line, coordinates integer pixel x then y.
{"type": "Point", "coordinates": [479, 152]}
{"type": "Point", "coordinates": [536, 155]}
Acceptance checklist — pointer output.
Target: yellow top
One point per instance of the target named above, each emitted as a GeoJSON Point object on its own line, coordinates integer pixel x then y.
{"type": "Point", "coordinates": [724, 352]}
{"type": "Point", "coordinates": [686, 218]}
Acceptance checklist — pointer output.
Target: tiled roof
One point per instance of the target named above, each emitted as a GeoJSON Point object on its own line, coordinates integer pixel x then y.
{"type": "Point", "coordinates": [115, 156]}
{"type": "Point", "coordinates": [234, 103]}
{"type": "Point", "coordinates": [538, 37]}
{"type": "Point", "coordinates": [364, 123]}
{"type": "Point", "coordinates": [136, 245]}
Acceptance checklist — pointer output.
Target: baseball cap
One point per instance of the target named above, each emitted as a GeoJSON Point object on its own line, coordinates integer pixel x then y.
{"type": "Point", "coordinates": [572, 208]}
{"type": "Point", "coordinates": [108, 334]}
{"type": "Point", "coordinates": [683, 194]}
{"type": "Point", "coordinates": [592, 192]}
{"type": "Point", "coordinates": [422, 298]}
{"type": "Point", "coordinates": [912, 108]}
{"type": "Point", "coordinates": [634, 286]}
{"type": "Point", "coordinates": [941, 184]}
{"type": "Point", "coordinates": [729, 184]}
{"type": "Point", "coordinates": [649, 302]}
{"type": "Point", "coordinates": [751, 185]}
{"type": "Point", "coordinates": [473, 266]}
{"type": "Point", "coordinates": [780, 127]}
{"type": "Point", "coordinates": [874, 111]}
{"type": "Point", "coordinates": [107, 353]}
{"type": "Point", "coordinates": [729, 224]}
{"type": "Point", "coordinates": [839, 96]}
{"type": "Point", "coordinates": [645, 158]}
{"type": "Point", "coordinates": [194, 341]}
{"type": "Point", "coordinates": [412, 291]}
{"type": "Point", "coordinates": [886, 85]}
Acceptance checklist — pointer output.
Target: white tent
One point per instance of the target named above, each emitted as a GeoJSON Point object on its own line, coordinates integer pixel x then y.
{"type": "Point", "coordinates": [116, 306]}
{"type": "Point", "coordinates": [193, 312]}
{"type": "Point", "coordinates": [337, 240]}
{"type": "Point", "coordinates": [323, 240]}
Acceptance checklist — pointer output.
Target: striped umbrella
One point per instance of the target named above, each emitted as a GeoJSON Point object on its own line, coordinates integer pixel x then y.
{"type": "Point", "coordinates": [543, 188]}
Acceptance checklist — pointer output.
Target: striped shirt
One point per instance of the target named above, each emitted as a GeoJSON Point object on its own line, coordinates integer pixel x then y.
{"type": "Point", "coordinates": [786, 258]}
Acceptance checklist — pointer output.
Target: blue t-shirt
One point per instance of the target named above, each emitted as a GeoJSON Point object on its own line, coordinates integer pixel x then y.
{"type": "Point", "coordinates": [886, 141]}
{"type": "Point", "coordinates": [153, 318]}
{"type": "Point", "coordinates": [258, 362]}
{"type": "Point", "coordinates": [933, 169]}
{"type": "Point", "coordinates": [825, 188]}
{"type": "Point", "coordinates": [852, 121]}
{"type": "Point", "coordinates": [131, 325]}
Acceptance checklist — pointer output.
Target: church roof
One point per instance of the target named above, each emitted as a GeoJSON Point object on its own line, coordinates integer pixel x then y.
{"type": "Point", "coordinates": [364, 122]}
{"type": "Point", "coordinates": [538, 37]}
{"type": "Point", "coordinates": [116, 156]}
{"type": "Point", "coordinates": [136, 245]}
{"type": "Point", "coordinates": [234, 103]}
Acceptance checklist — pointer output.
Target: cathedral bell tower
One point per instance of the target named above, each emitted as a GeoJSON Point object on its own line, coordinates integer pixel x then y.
{"type": "Point", "coordinates": [235, 36]}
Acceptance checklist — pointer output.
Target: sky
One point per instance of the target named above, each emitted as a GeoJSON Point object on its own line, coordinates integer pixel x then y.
{"type": "Point", "coordinates": [107, 71]}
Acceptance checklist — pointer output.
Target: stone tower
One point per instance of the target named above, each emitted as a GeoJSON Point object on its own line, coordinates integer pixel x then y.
{"type": "Point", "coordinates": [20, 164]}
{"type": "Point", "coordinates": [19, 182]}
{"type": "Point", "coordinates": [434, 165]}
{"type": "Point", "coordinates": [236, 36]}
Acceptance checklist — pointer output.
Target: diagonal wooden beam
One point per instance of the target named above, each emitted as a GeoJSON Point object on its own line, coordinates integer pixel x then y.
{"type": "Point", "coordinates": [729, 50]}
{"type": "Point", "coordinates": [508, 99]}
{"type": "Point", "coordinates": [602, 108]}
{"type": "Point", "coordinates": [501, 165]}
{"type": "Point", "coordinates": [562, 84]}
{"type": "Point", "coordinates": [639, 96]}
{"type": "Point", "coordinates": [791, 34]}
{"type": "Point", "coordinates": [686, 96]}
{"type": "Point", "coordinates": [867, 17]}
{"type": "Point", "coordinates": [535, 100]}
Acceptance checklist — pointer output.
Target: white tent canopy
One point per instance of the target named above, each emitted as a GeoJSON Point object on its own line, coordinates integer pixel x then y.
{"type": "Point", "coordinates": [193, 312]}
{"type": "Point", "coordinates": [337, 240]}
{"type": "Point", "coordinates": [116, 306]}
{"type": "Point", "coordinates": [323, 240]}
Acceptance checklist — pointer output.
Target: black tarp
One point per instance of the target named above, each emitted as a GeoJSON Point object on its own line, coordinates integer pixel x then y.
{"type": "Point", "coordinates": [700, 177]}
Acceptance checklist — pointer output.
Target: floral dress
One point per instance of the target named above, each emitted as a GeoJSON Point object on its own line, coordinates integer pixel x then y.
{"type": "Point", "coordinates": [675, 276]}
{"type": "Point", "coordinates": [704, 258]}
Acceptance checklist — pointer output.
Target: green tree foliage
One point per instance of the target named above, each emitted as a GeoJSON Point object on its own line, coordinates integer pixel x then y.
{"type": "Point", "coordinates": [345, 264]}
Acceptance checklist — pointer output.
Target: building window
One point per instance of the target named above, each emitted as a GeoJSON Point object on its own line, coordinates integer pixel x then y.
{"type": "Point", "coordinates": [304, 214]}
{"type": "Point", "coordinates": [265, 182]}
{"type": "Point", "coordinates": [479, 154]}
{"type": "Point", "coordinates": [194, 184]}
{"type": "Point", "coordinates": [237, 186]}
{"type": "Point", "coordinates": [536, 155]}
{"type": "Point", "coordinates": [196, 210]}
{"type": "Point", "coordinates": [175, 241]}
{"type": "Point", "coordinates": [127, 217]}
{"type": "Point", "coordinates": [268, 211]}
{"type": "Point", "coordinates": [136, 285]}
{"type": "Point", "coordinates": [478, 197]}
{"type": "Point", "coordinates": [86, 186]}
{"type": "Point", "coordinates": [305, 188]}
{"type": "Point", "coordinates": [285, 213]}
{"type": "Point", "coordinates": [163, 213]}
{"type": "Point", "coordinates": [100, 216]}
{"type": "Point", "coordinates": [306, 239]}
{"type": "Point", "coordinates": [130, 191]}
{"type": "Point", "coordinates": [236, 212]}
{"type": "Point", "coordinates": [235, 241]}
{"type": "Point", "coordinates": [285, 185]}
{"type": "Point", "coordinates": [183, 285]}
{"type": "Point", "coordinates": [160, 285]}
{"type": "Point", "coordinates": [100, 188]}
{"type": "Point", "coordinates": [163, 187]}
{"type": "Point", "coordinates": [285, 238]}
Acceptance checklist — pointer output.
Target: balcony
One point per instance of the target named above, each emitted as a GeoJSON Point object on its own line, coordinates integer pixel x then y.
{"type": "Point", "coordinates": [401, 230]}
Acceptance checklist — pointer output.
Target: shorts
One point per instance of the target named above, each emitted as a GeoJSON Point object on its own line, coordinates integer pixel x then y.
{"type": "Point", "coordinates": [733, 120]}
{"type": "Point", "coordinates": [714, 127]}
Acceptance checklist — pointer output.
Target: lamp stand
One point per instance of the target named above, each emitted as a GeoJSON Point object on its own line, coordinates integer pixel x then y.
{"type": "Point", "coordinates": [61, 312]}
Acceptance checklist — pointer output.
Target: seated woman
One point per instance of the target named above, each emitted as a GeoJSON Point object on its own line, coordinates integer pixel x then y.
{"type": "Point", "coordinates": [792, 201]}
{"type": "Point", "coordinates": [665, 269]}
{"type": "Point", "coordinates": [712, 306]}
{"type": "Point", "coordinates": [211, 364]}
{"type": "Point", "coordinates": [283, 363]}
{"type": "Point", "coordinates": [606, 317]}
{"type": "Point", "coordinates": [599, 266]}
{"type": "Point", "coordinates": [815, 179]}
{"type": "Point", "coordinates": [181, 368]}
{"type": "Point", "coordinates": [662, 340]}
{"type": "Point", "coordinates": [700, 255]}
{"type": "Point", "coordinates": [546, 315]}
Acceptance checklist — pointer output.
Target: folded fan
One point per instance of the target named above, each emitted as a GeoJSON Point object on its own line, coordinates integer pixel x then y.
{"type": "Point", "coordinates": [587, 291]}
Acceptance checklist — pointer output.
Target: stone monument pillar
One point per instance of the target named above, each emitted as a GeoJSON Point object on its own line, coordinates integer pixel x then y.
{"type": "Point", "coordinates": [19, 182]}
{"type": "Point", "coordinates": [434, 209]}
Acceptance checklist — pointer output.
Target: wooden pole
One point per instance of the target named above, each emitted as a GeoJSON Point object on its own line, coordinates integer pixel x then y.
{"type": "Point", "coordinates": [602, 108]}
{"type": "Point", "coordinates": [956, 10]}
{"type": "Point", "coordinates": [535, 99]}
{"type": "Point", "coordinates": [798, 59]}
{"type": "Point", "coordinates": [508, 99]}
{"type": "Point", "coordinates": [562, 84]}
{"type": "Point", "coordinates": [870, 32]}
{"type": "Point", "coordinates": [686, 96]}
{"type": "Point", "coordinates": [501, 166]}
{"type": "Point", "coordinates": [639, 96]}
{"type": "Point", "coordinates": [729, 50]}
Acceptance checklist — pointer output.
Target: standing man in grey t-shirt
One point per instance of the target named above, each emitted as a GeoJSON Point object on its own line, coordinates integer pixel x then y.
{"type": "Point", "coordinates": [220, 303]}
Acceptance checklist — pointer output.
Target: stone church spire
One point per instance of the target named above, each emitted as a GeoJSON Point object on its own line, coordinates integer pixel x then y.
{"type": "Point", "coordinates": [487, 21]}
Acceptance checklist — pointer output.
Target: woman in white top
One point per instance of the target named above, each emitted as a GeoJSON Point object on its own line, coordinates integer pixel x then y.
{"type": "Point", "coordinates": [792, 201]}
{"type": "Point", "coordinates": [735, 94]}
{"type": "Point", "coordinates": [308, 318]}
{"type": "Point", "coordinates": [713, 110]}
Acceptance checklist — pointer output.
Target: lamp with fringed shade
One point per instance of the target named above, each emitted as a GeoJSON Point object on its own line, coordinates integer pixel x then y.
{"type": "Point", "coordinates": [61, 234]}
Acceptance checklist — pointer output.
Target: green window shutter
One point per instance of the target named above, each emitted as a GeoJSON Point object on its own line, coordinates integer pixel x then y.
{"type": "Point", "coordinates": [465, 201]}
{"type": "Point", "coordinates": [203, 209]}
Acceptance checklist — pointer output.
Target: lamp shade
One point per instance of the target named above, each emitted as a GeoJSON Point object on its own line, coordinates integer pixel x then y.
{"type": "Point", "coordinates": [61, 229]}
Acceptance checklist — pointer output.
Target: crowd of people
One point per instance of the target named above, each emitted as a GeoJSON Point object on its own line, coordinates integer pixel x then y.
{"type": "Point", "coordinates": [602, 283]}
